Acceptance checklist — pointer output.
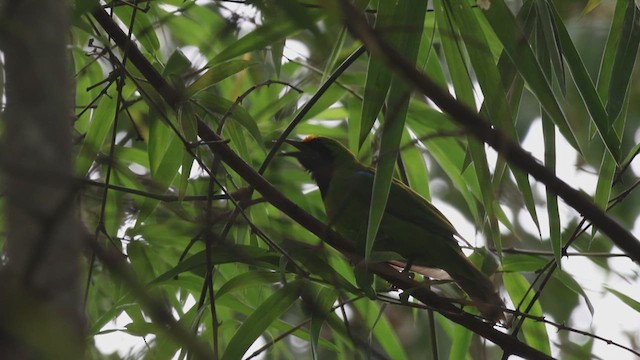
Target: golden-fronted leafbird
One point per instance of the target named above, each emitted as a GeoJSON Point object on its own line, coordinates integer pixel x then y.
{"type": "Point", "coordinates": [411, 226]}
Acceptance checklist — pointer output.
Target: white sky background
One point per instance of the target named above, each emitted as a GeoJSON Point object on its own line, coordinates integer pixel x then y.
{"type": "Point", "coordinates": [612, 320]}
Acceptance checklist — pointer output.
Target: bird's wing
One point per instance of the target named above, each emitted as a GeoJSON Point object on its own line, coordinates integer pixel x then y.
{"type": "Point", "coordinates": [405, 204]}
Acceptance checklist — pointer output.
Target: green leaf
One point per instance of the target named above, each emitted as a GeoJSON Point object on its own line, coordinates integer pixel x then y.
{"type": "Point", "coordinates": [631, 155]}
{"type": "Point", "coordinates": [515, 85]}
{"type": "Point", "coordinates": [548, 27]}
{"type": "Point", "coordinates": [248, 279]}
{"type": "Point", "coordinates": [427, 123]}
{"type": "Point", "coordinates": [610, 51]}
{"type": "Point", "coordinates": [571, 284]}
{"type": "Point", "coordinates": [605, 182]}
{"type": "Point", "coordinates": [591, 5]}
{"type": "Point", "coordinates": [555, 227]}
{"type": "Point", "coordinates": [549, 136]}
{"type": "Point", "coordinates": [165, 153]}
{"type": "Point", "coordinates": [218, 105]}
{"type": "Point", "coordinates": [217, 73]}
{"type": "Point", "coordinates": [261, 319]}
{"type": "Point", "coordinates": [258, 39]}
{"type": "Point", "coordinates": [330, 97]}
{"type": "Point", "coordinates": [222, 255]}
{"type": "Point", "coordinates": [321, 309]}
{"type": "Point", "coordinates": [336, 52]}
{"type": "Point", "coordinates": [143, 28]}
{"type": "Point", "coordinates": [416, 169]}
{"type": "Point", "coordinates": [523, 263]}
{"type": "Point", "coordinates": [495, 102]}
{"type": "Point", "coordinates": [277, 49]}
{"type": "Point", "coordinates": [519, 50]}
{"type": "Point", "coordinates": [624, 61]}
{"type": "Point", "coordinates": [586, 88]}
{"type": "Point", "coordinates": [101, 123]}
{"type": "Point", "coordinates": [460, 343]}
{"type": "Point", "coordinates": [534, 332]}
{"type": "Point", "coordinates": [411, 14]}
{"type": "Point", "coordinates": [139, 258]}
{"type": "Point", "coordinates": [632, 303]}
{"type": "Point", "coordinates": [378, 74]}
{"type": "Point", "coordinates": [381, 328]}
{"type": "Point", "coordinates": [189, 129]}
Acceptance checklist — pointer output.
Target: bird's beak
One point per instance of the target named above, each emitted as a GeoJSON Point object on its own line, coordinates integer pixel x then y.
{"type": "Point", "coordinates": [295, 143]}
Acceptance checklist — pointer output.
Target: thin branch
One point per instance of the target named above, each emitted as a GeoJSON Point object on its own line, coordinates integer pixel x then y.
{"type": "Point", "coordinates": [512, 250]}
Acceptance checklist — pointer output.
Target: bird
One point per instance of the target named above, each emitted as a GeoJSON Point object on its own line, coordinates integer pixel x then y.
{"type": "Point", "coordinates": [410, 227]}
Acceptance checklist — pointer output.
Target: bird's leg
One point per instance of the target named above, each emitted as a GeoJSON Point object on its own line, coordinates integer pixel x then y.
{"type": "Point", "coordinates": [407, 268]}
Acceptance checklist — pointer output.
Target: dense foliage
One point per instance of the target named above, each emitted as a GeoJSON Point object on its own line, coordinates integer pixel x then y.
{"type": "Point", "coordinates": [181, 104]}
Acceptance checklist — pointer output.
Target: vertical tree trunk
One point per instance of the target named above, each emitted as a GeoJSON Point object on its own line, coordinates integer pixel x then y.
{"type": "Point", "coordinates": [41, 315]}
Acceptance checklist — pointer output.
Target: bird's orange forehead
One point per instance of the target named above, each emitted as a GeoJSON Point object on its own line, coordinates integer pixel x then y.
{"type": "Point", "coordinates": [309, 138]}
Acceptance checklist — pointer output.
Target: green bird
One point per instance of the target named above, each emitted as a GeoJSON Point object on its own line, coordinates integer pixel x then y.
{"type": "Point", "coordinates": [411, 226]}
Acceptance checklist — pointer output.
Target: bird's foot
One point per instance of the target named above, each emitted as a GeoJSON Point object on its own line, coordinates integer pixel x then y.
{"type": "Point", "coordinates": [407, 269]}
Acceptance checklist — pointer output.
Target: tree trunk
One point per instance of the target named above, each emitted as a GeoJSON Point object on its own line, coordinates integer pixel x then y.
{"type": "Point", "coordinates": [41, 313]}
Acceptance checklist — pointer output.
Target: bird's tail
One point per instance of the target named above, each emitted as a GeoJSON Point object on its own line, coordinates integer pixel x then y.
{"type": "Point", "coordinates": [480, 289]}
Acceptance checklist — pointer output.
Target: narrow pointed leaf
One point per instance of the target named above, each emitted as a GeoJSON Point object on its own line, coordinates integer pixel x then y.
{"type": "Point", "coordinates": [624, 61]}
{"type": "Point", "coordinates": [381, 329]}
{"type": "Point", "coordinates": [411, 14]}
{"type": "Point", "coordinates": [555, 230]}
{"type": "Point", "coordinates": [216, 73]}
{"type": "Point", "coordinates": [610, 50]}
{"type": "Point", "coordinates": [378, 74]}
{"type": "Point", "coordinates": [519, 50]}
{"type": "Point", "coordinates": [549, 136]}
{"type": "Point", "coordinates": [461, 15]}
{"type": "Point", "coordinates": [586, 88]}
{"type": "Point", "coordinates": [547, 24]}
{"type": "Point", "coordinates": [218, 105]}
{"type": "Point", "coordinates": [535, 332]}
{"type": "Point", "coordinates": [258, 322]}
{"type": "Point", "coordinates": [632, 303]}
{"type": "Point", "coordinates": [258, 39]}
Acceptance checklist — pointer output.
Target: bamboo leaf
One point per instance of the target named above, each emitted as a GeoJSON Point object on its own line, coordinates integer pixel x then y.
{"type": "Point", "coordinates": [258, 39]}
{"type": "Point", "coordinates": [519, 50]}
{"type": "Point", "coordinates": [218, 105]}
{"type": "Point", "coordinates": [381, 329]}
{"type": "Point", "coordinates": [378, 74]}
{"type": "Point", "coordinates": [635, 305]}
{"type": "Point", "coordinates": [549, 136]}
{"type": "Point", "coordinates": [258, 322]}
{"type": "Point", "coordinates": [460, 15]}
{"type": "Point", "coordinates": [534, 332]}
{"type": "Point", "coordinates": [586, 88]}
{"type": "Point", "coordinates": [573, 285]}
{"type": "Point", "coordinates": [142, 28]}
{"type": "Point", "coordinates": [217, 73]}
{"type": "Point", "coordinates": [610, 51]}
{"type": "Point", "coordinates": [624, 60]}
{"type": "Point", "coordinates": [97, 133]}
{"type": "Point", "coordinates": [411, 14]}
{"type": "Point", "coordinates": [548, 27]}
